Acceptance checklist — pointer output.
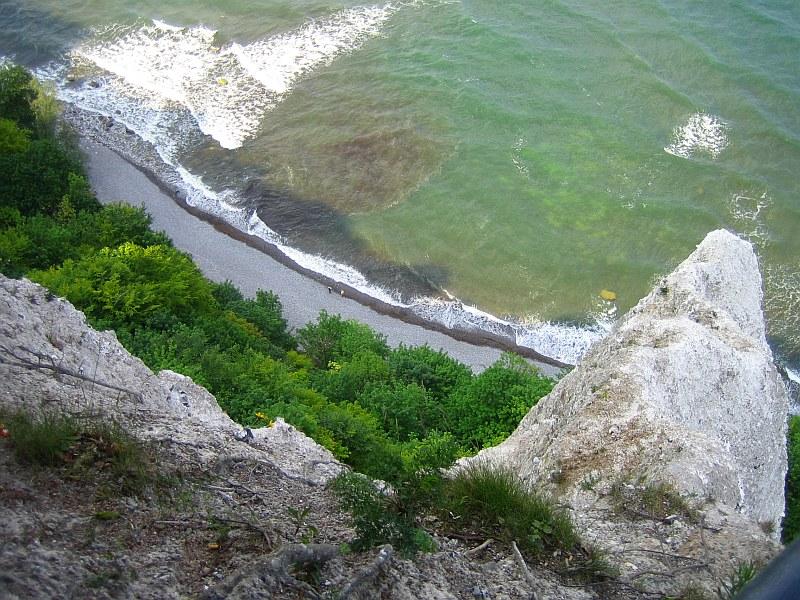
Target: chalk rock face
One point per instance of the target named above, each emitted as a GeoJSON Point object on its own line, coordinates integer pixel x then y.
{"type": "Point", "coordinates": [50, 357]}
{"type": "Point", "coordinates": [684, 392]}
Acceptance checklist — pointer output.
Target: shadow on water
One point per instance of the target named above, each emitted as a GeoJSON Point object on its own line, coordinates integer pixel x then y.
{"type": "Point", "coordinates": [317, 228]}
{"type": "Point", "coordinates": [33, 37]}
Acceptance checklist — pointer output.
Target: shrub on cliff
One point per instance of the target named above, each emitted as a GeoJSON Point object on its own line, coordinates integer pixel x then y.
{"type": "Point", "coordinates": [791, 522]}
{"type": "Point", "coordinates": [17, 95]}
{"type": "Point", "coordinates": [486, 410]}
{"type": "Point", "coordinates": [130, 284]}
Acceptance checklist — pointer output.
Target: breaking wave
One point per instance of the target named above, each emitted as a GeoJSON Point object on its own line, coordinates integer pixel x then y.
{"type": "Point", "coordinates": [701, 133]}
{"type": "Point", "coordinates": [226, 90]}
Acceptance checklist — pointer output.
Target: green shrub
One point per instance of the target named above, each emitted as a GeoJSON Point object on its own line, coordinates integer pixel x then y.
{"type": "Point", "coordinates": [17, 96]}
{"type": "Point", "coordinates": [737, 580]}
{"type": "Point", "coordinates": [434, 371]}
{"type": "Point", "coordinates": [490, 406]}
{"type": "Point", "coordinates": [403, 410]}
{"type": "Point", "coordinates": [333, 339]}
{"type": "Point", "coordinates": [346, 381]}
{"type": "Point", "coordinates": [375, 523]}
{"type": "Point", "coordinates": [100, 452]}
{"type": "Point", "coordinates": [791, 522]}
{"type": "Point", "coordinates": [130, 284]}
{"type": "Point", "coordinates": [498, 504]}
{"type": "Point", "coordinates": [266, 313]}
{"type": "Point", "coordinates": [13, 140]}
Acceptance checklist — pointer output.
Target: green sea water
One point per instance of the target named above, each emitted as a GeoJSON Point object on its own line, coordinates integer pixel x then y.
{"type": "Point", "coordinates": [519, 156]}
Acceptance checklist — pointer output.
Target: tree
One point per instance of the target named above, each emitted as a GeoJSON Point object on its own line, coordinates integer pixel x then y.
{"type": "Point", "coordinates": [17, 96]}
{"type": "Point", "coordinates": [436, 372]}
{"type": "Point", "coordinates": [332, 338]}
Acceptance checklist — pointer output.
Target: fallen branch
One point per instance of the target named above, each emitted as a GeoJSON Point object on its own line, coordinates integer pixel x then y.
{"type": "Point", "coordinates": [525, 571]}
{"type": "Point", "coordinates": [30, 365]}
{"type": "Point", "coordinates": [478, 549]}
{"type": "Point", "coordinates": [668, 574]}
{"type": "Point", "coordinates": [369, 573]}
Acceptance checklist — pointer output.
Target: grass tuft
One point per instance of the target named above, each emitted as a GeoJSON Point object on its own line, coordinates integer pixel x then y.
{"type": "Point", "coordinates": [43, 439]}
{"type": "Point", "coordinates": [496, 502]}
{"type": "Point", "coordinates": [102, 452]}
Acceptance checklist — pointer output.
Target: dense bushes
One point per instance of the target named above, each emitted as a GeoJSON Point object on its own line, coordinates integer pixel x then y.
{"type": "Point", "coordinates": [791, 522]}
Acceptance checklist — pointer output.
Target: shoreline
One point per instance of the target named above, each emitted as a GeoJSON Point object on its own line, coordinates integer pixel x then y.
{"type": "Point", "coordinates": [223, 251]}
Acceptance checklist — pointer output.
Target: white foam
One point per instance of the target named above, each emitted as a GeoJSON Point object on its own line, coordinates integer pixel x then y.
{"type": "Point", "coordinates": [793, 376]}
{"type": "Point", "coordinates": [227, 90]}
{"type": "Point", "coordinates": [279, 61]}
{"type": "Point", "coordinates": [516, 157]}
{"type": "Point", "coordinates": [330, 268]}
{"type": "Point", "coordinates": [701, 133]}
{"type": "Point", "coordinates": [748, 211]}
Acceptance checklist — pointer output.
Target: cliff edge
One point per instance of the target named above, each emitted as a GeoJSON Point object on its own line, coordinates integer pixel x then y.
{"type": "Point", "coordinates": [668, 440]}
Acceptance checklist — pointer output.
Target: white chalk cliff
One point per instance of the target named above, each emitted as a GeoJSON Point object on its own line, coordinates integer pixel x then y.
{"type": "Point", "coordinates": [683, 391]}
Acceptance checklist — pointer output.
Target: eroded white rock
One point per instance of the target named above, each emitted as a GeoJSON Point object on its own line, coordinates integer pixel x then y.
{"type": "Point", "coordinates": [682, 391]}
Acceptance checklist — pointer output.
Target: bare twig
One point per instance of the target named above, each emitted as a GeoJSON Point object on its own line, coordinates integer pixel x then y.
{"type": "Point", "coordinates": [478, 549]}
{"type": "Point", "coordinates": [666, 554]}
{"type": "Point", "coordinates": [369, 573]}
{"type": "Point", "coordinates": [26, 363]}
{"type": "Point", "coordinates": [525, 571]}
{"type": "Point", "coordinates": [669, 574]}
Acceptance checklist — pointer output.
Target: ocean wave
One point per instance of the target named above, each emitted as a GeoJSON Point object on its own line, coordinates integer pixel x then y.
{"type": "Point", "coordinates": [227, 90]}
{"type": "Point", "coordinates": [701, 133]}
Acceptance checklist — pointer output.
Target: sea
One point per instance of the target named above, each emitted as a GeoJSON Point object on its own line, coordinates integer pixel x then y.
{"type": "Point", "coordinates": [533, 166]}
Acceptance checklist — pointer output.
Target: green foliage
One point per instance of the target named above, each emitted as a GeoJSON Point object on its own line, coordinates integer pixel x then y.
{"type": "Point", "coordinates": [497, 503]}
{"type": "Point", "coordinates": [38, 179]}
{"type": "Point", "coordinates": [54, 439]}
{"type": "Point", "coordinates": [13, 140]}
{"type": "Point", "coordinates": [346, 381]}
{"type": "Point", "coordinates": [17, 96]}
{"type": "Point", "coordinates": [14, 247]}
{"type": "Point", "coordinates": [487, 409]}
{"type": "Point", "coordinates": [40, 241]}
{"type": "Point", "coordinates": [737, 580]}
{"type": "Point", "coordinates": [266, 313]}
{"type": "Point", "coordinates": [130, 284]}
{"type": "Point", "coordinates": [434, 371]}
{"type": "Point", "coordinates": [45, 108]}
{"type": "Point", "coordinates": [791, 522]}
{"type": "Point", "coordinates": [403, 410]}
{"type": "Point", "coordinates": [333, 339]}
{"type": "Point", "coordinates": [374, 523]}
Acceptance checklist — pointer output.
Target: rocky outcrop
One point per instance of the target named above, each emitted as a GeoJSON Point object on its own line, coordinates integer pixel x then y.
{"type": "Point", "coordinates": [50, 358]}
{"type": "Point", "coordinates": [681, 401]}
{"type": "Point", "coordinates": [236, 505]}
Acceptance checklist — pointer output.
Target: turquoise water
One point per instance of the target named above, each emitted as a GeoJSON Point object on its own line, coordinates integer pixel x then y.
{"type": "Point", "coordinates": [519, 157]}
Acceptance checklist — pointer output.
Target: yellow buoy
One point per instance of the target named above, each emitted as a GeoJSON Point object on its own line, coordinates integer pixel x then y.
{"type": "Point", "coordinates": [608, 295]}
{"type": "Point", "coordinates": [222, 81]}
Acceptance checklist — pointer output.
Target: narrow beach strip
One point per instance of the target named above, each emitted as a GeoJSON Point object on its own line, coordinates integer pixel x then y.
{"type": "Point", "coordinates": [222, 257]}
